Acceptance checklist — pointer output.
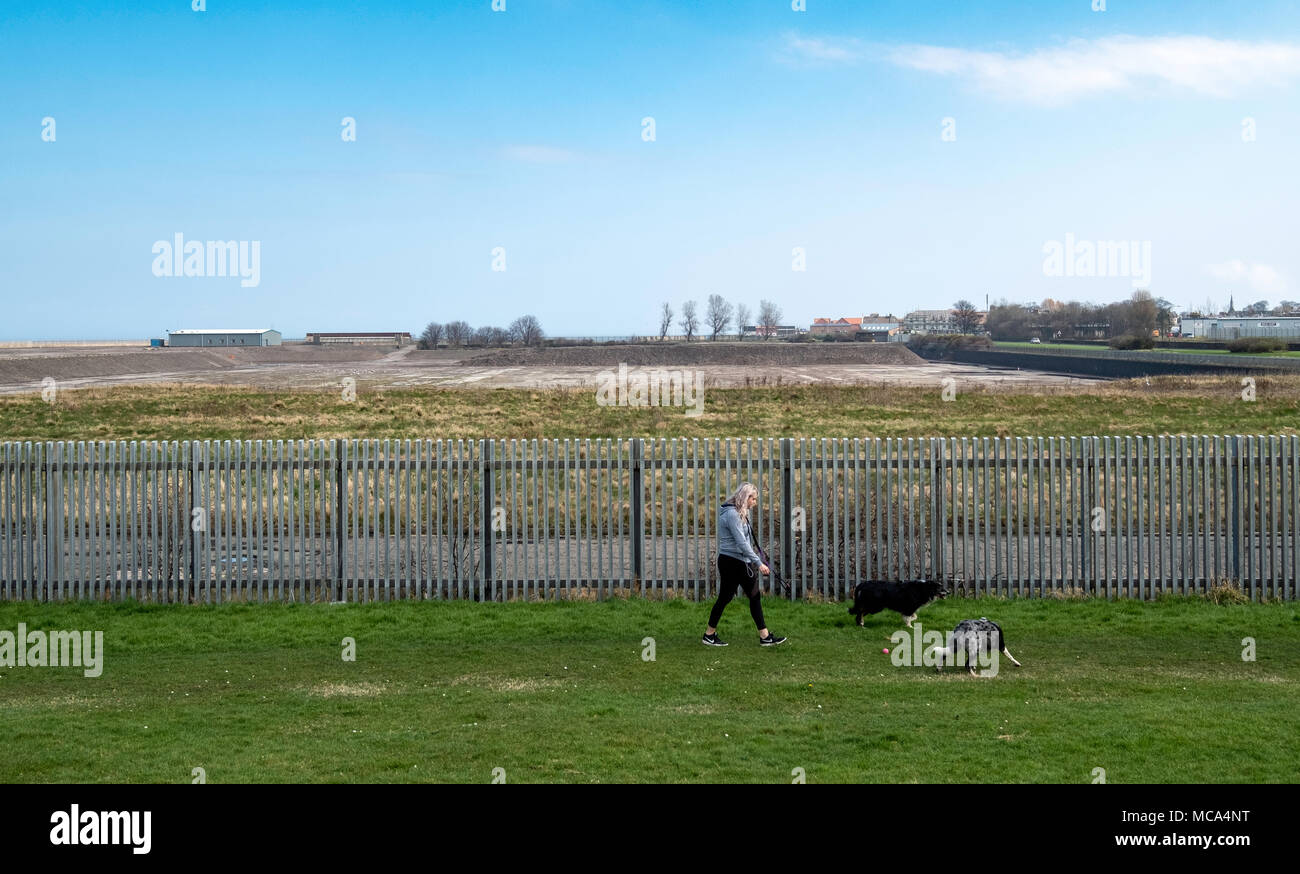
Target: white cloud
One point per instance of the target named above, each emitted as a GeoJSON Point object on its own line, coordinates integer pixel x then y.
{"type": "Point", "coordinates": [1259, 277]}
{"type": "Point", "coordinates": [819, 50]}
{"type": "Point", "coordinates": [1119, 64]}
{"type": "Point", "coordinates": [538, 154]}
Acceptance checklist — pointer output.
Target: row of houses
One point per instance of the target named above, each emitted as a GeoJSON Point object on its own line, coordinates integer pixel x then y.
{"type": "Point", "coordinates": [881, 329]}
{"type": "Point", "coordinates": [875, 327]}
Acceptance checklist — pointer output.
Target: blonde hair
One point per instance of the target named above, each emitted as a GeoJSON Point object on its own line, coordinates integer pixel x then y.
{"type": "Point", "coordinates": [740, 498]}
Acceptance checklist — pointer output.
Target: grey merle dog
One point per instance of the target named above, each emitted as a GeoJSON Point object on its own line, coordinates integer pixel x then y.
{"type": "Point", "coordinates": [974, 637]}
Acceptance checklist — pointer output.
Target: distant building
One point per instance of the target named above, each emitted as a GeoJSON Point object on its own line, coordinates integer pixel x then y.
{"type": "Point", "coordinates": [935, 321]}
{"type": "Point", "coordinates": [831, 327]}
{"type": "Point", "coordinates": [224, 337]}
{"type": "Point", "coordinates": [1091, 330]}
{"type": "Point", "coordinates": [356, 338]}
{"type": "Point", "coordinates": [879, 330]}
{"type": "Point", "coordinates": [929, 322]}
{"type": "Point", "coordinates": [1230, 327]}
{"type": "Point", "coordinates": [777, 331]}
{"type": "Point", "coordinates": [875, 327]}
{"type": "Point", "coordinates": [1081, 331]}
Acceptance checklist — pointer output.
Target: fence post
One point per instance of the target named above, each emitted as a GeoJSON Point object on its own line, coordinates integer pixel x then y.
{"type": "Point", "coordinates": [638, 513]}
{"type": "Point", "coordinates": [1234, 490]}
{"type": "Point", "coordinates": [51, 562]}
{"type": "Point", "coordinates": [189, 520]}
{"type": "Point", "coordinates": [936, 509]}
{"type": "Point", "coordinates": [1085, 508]}
{"type": "Point", "coordinates": [339, 503]}
{"type": "Point", "coordinates": [787, 509]}
{"type": "Point", "coordinates": [486, 457]}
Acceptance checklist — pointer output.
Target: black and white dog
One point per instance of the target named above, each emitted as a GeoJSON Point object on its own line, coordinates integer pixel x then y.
{"type": "Point", "coordinates": [976, 637]}
{"type": "Point", "coordinates": [905, 598]}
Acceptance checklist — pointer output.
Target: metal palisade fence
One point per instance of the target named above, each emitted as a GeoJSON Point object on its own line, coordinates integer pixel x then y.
{"type": "Point", "coordinates": [362, 520]}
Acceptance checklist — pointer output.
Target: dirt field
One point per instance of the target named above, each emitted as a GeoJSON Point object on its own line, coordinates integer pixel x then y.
{"type": "Point", "coordinates": [721, 365]}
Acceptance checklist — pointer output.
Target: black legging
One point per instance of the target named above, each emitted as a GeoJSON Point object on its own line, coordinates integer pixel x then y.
{"type": "Point", "coordinates": [733, 572]}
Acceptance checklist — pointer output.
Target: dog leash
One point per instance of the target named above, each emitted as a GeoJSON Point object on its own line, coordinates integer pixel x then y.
{"type": "Point", "coordinates": [776, 574]}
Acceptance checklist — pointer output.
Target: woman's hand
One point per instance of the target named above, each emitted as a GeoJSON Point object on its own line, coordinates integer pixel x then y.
{"type": "Point", "coordinates": [764, 569]}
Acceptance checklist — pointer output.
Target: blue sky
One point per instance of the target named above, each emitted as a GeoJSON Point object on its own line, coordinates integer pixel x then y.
{"type": "Point", "coordinates": [522, 129]}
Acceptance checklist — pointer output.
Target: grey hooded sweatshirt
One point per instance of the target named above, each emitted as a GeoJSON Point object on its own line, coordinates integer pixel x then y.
{"type": "Point", "coordinates": [734, 535]}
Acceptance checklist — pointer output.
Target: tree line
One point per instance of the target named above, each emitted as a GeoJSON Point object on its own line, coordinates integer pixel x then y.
{"type": "Point", "coordinates": [719, 316]}
{"type": "Point", "coordinates": [525, 331]}
{"type": "Point", "coordinates": [1136, 317]}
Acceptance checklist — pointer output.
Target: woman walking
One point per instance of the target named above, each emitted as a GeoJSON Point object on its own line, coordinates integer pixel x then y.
{"type": "Point", "coordinates": [738, 565]}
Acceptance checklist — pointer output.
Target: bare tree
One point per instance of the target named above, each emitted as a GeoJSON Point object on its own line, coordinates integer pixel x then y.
{"type": "Point", "coordinates": [1009, 321]}
{"type": "Point", "coordinates": [719, 315]}
{"type": "Point", "coordinates": [742, 318]}
{"type": "Point", "coordinates": [527, 330]}
{"type": "Point", "coordinates": [431, 336]}
{"type": "Point", "coordinates": [665, 320]}
{"type": "Point", "coordinates": [769, 316]}
{"type": "Point", "coordinates": [689, 320]}
{"type": "Point", "coordinates": [965, 317]}
{"type": "Point", "coordinates": [1144, 313]}
{"type": "Point", "coordinates": [458, 333]}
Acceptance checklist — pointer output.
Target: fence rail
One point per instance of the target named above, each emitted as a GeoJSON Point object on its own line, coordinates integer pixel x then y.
{"type": "Point", "coordinates": [498, 519]}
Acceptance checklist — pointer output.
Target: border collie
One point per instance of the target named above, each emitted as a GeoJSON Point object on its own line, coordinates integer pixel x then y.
{"type": "Point", "coordinates": [904, 598]}
{"type": "Point", "coordinates": [975, 637]}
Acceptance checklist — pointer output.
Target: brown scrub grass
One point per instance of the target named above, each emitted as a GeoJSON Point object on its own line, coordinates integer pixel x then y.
{"type": "Point", "coordinates": [1159, 405]}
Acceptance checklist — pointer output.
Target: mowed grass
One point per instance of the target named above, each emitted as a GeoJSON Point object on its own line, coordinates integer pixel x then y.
{"type": "Point", "coordinates": [1190, 348]}
{"type": "Point", "coordinates": [1283, 353]}
{"type": "Point", "coordinates": [559, 692]}
{"type": "Point", "coordinates": [1054, 344]}
{"type": "Point", "coordinates": [1161, 405]}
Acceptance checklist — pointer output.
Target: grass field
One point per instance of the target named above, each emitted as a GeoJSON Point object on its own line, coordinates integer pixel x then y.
{"type": "Point", "coordinates": [1285, 353]}
{"type": "Point", "coordinates": [447, 692]}
{"type": "Point", "coordinates": [1190, 349]}
{"type": "Point", "coordinates": [1165, 405]}
{"type": "Point", "coordinates": [1021, 344]}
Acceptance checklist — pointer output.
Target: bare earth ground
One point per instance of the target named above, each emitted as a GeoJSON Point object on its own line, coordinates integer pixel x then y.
{"type": "Point", "coordinates": [721, 365]}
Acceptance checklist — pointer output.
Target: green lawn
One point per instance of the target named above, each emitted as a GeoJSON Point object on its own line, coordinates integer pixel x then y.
{"type": "Point", "coordinates": [1190, 349]}
{"type": "Point", "coordinates": [1286, 353]}
{"type": "Point", "coordinates": [550, 692]}
{"type": "Point", "coordinates": [1015, 344]}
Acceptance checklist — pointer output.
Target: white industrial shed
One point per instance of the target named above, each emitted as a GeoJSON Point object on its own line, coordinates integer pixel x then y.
{"type": "Point", "coordinates": [224, 337]}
